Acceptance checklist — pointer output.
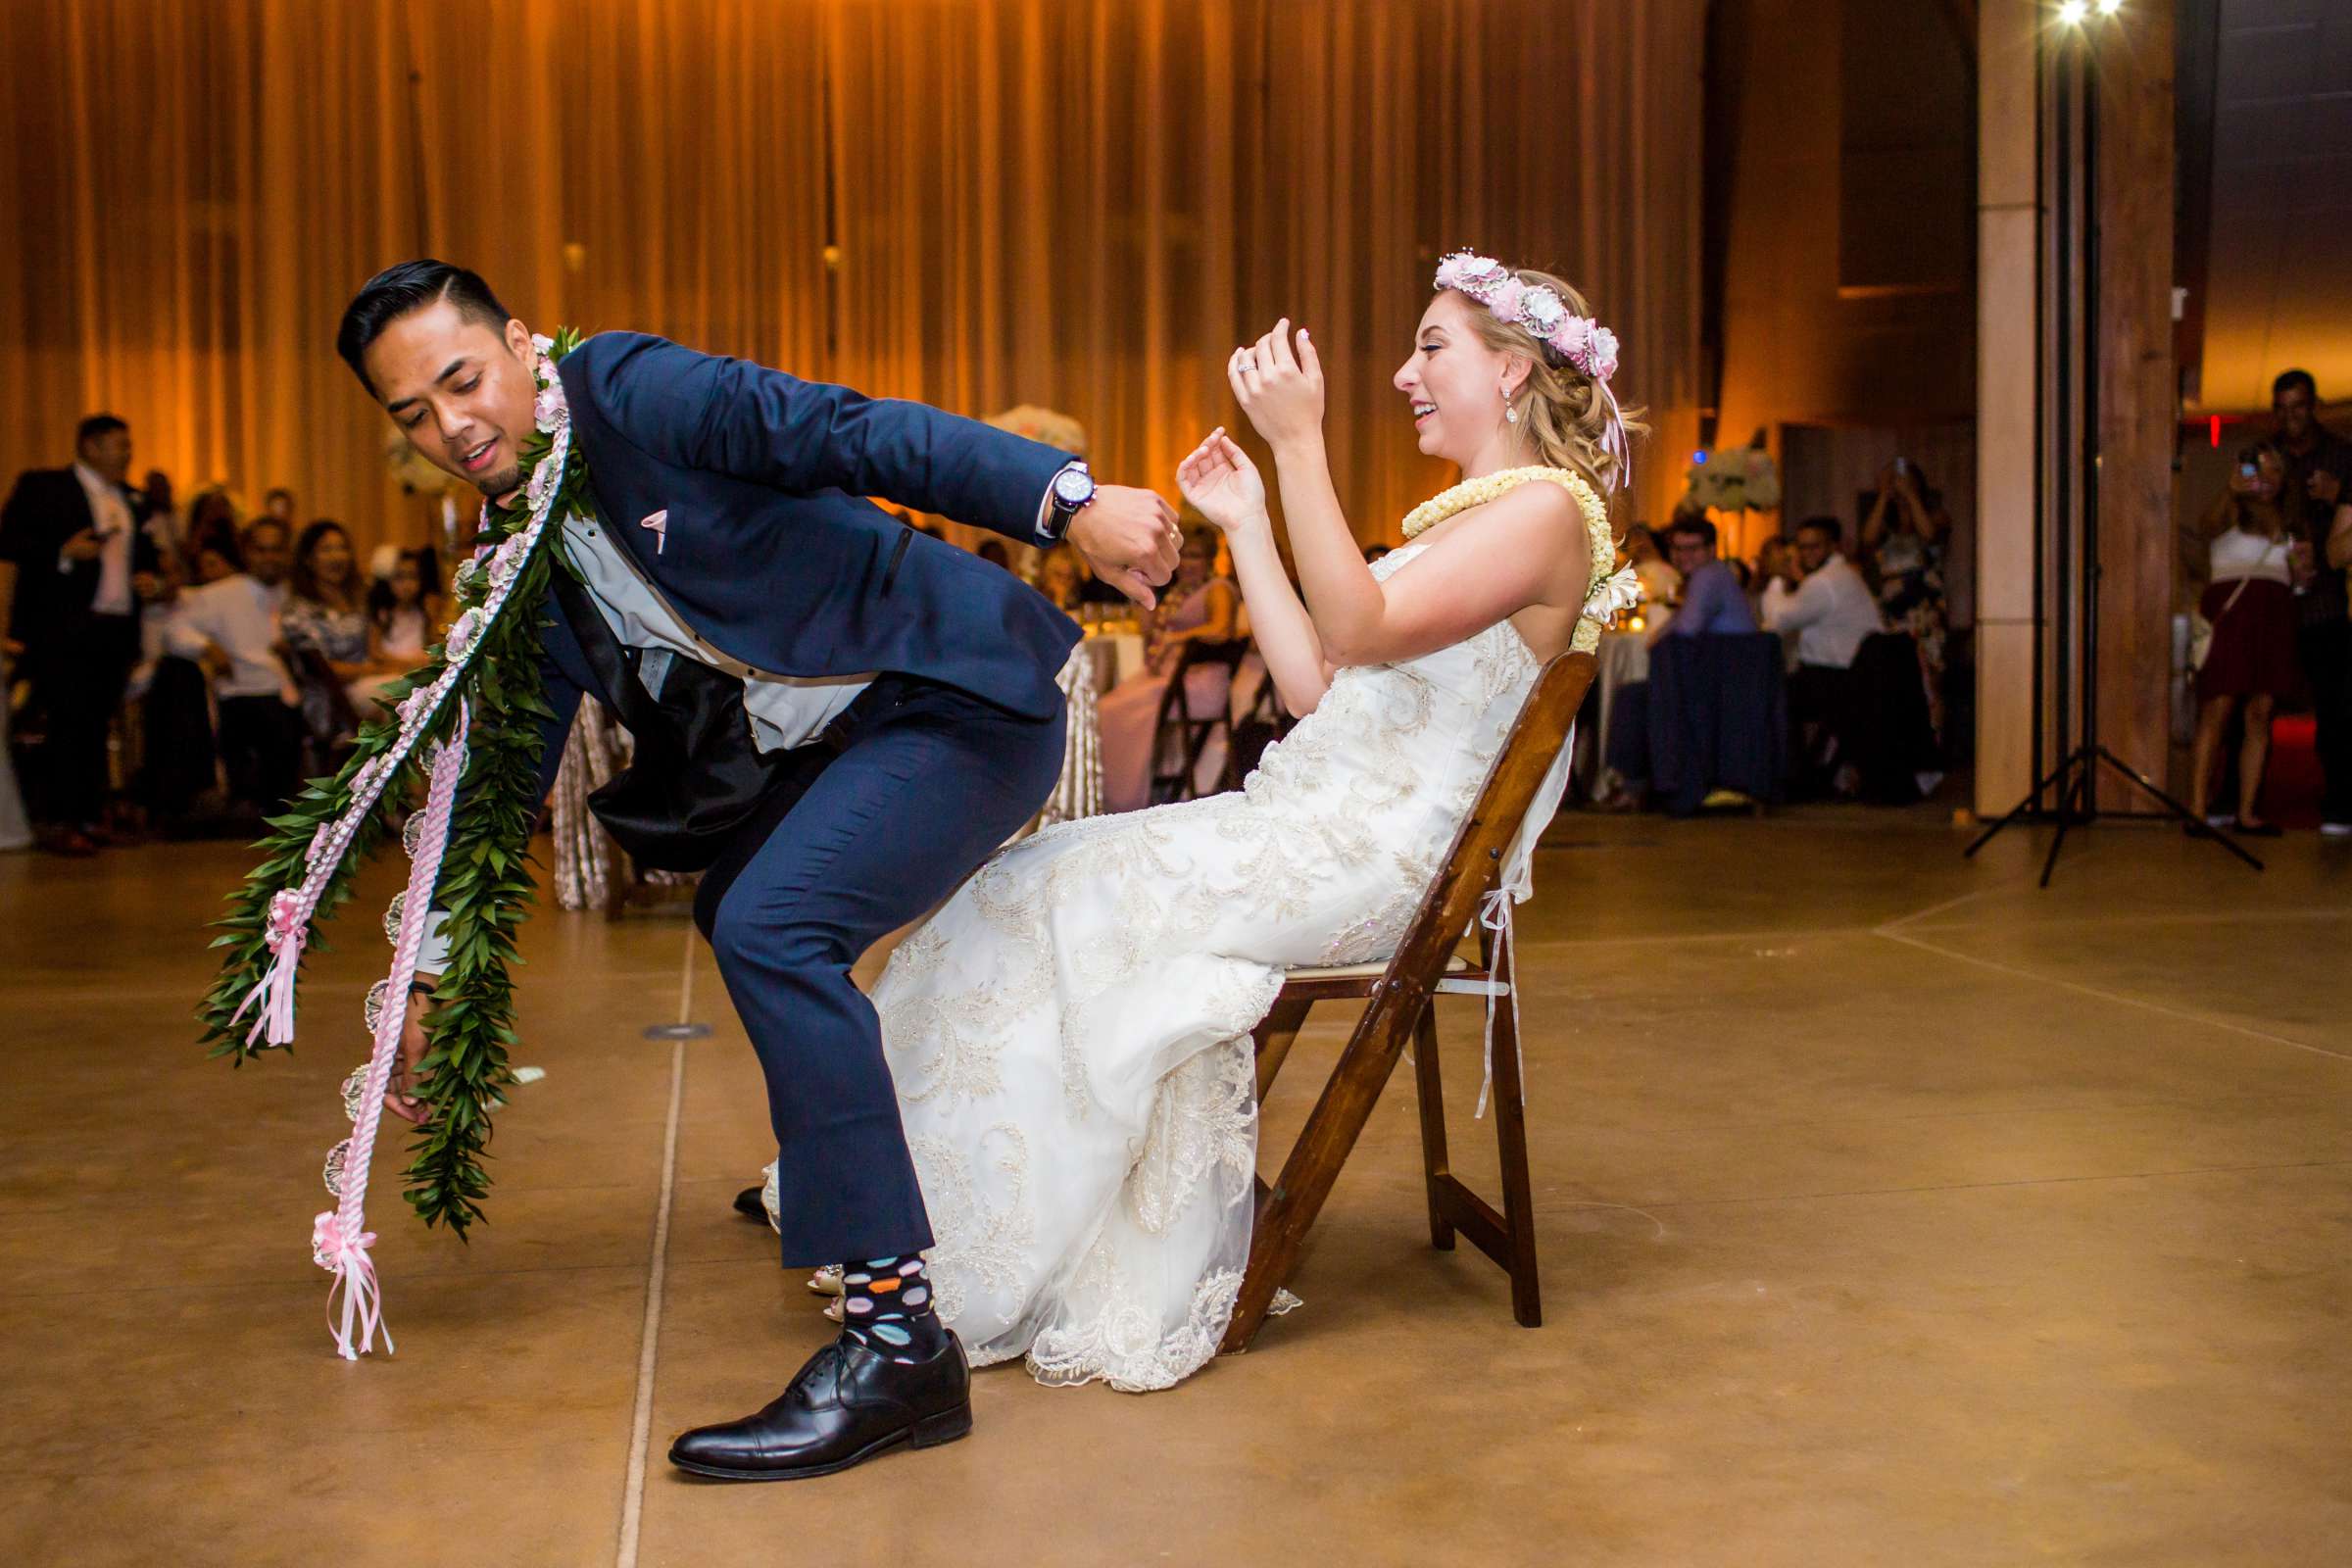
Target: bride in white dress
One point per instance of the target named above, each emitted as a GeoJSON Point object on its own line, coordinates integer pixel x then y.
{"type": "Point", "coordinates": [1070, 1033]}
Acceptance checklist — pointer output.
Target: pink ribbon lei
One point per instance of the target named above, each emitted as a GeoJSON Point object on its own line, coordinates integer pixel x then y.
{"type": "Point", "coordinates": [339, 1238]}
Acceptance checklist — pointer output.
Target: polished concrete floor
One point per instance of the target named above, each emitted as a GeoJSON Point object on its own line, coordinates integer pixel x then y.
{"type": "Point", "coordinates": [1891, 1212]}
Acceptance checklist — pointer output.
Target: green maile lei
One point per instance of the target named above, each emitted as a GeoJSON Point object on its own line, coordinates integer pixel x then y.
{"type": "Point", "coordinates": [484, 884]}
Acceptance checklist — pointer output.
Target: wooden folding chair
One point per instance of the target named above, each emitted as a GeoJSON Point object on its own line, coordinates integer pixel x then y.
{"type": "Point", "coordinates": [1179, 732]}
{"type": "Point", "coordinates": [1399, 997]}
{"type": "Point", "coordinates": [1260, 726]}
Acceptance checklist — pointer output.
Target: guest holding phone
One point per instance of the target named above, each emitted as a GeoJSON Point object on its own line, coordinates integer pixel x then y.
{"type": "Point", "coordinates": [2245, 650]}
{"type": "Point", "coordinates": [76, 564]}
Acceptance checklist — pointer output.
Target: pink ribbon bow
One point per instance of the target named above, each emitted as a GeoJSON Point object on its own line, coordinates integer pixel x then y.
{"type": "Point", "coordinates": [335, 1248]}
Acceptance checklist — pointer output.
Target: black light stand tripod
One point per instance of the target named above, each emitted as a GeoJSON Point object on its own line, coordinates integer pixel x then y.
{"type": "Point", "coordinates": [2075, 216]}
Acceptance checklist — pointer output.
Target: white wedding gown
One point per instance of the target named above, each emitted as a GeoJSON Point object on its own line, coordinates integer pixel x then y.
{"type": "Point", "coordinates": [1070, 1033]}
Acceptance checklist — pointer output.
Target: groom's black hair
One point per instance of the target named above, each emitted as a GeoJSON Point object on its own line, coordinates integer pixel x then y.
{"type": "Point", "coordinates": [410, 286]}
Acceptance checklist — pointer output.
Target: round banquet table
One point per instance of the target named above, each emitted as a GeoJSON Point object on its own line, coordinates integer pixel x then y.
{"type": "Point", "coordinates": [1623, 658]}
{"type": "Point", "coordinates": [1116, 655]}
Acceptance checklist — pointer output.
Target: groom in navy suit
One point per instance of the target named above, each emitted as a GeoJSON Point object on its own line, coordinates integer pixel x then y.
{"type": "Point", "coordinates": [837, 719]}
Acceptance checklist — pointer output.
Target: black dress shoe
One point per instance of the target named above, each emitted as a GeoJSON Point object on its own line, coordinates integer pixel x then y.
{"type": "Point", "coordinates": [846, 1406]}
{"type": "Point", "coordinates": [752, 1204]}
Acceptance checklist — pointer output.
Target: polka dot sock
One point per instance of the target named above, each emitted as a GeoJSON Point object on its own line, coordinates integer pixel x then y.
{"type": "Point", "coordinates": [886, 1306]}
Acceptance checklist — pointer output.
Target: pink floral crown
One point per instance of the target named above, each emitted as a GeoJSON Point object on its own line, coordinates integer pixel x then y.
{"type": "Point", "coordinates": [1578, 339]}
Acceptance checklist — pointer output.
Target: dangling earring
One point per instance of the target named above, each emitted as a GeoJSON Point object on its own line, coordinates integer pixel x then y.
{"type": "Point", "coordinates": [1510, 409]}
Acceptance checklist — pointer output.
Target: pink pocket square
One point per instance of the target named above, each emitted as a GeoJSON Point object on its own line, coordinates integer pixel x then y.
{"type": "Point", "coordinates": [659, 523]}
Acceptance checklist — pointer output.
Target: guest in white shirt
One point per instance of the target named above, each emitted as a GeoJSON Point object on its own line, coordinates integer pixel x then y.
{"type": "Point", "coordinates": [1832, 609]}
{"type": "Point", "coordinates": [1830, 613]}
{"type": "Point", "coordinates": [232, 628]}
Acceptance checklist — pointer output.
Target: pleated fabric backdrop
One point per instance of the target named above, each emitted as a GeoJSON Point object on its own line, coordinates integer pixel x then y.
{"type": "Point", "coordinates": [1078, 203]}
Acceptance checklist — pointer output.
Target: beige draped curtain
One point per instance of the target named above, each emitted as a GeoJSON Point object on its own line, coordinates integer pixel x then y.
{"type": "Point", "coordinates": [1083, 204]}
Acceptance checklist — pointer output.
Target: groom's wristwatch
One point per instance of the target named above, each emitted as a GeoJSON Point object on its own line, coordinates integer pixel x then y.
{"type": "Point", "coordinates": [1071, 492]}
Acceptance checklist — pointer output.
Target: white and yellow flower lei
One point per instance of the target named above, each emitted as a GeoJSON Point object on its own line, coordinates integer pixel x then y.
{"type": "Point", "coordinates": [1611, 594]}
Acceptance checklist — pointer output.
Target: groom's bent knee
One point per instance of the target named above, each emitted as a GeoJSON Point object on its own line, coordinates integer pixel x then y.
{"type": "Point", "coordinates": [775, 946]}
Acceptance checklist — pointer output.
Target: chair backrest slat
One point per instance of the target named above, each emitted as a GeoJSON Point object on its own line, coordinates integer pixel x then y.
{"type": "Point", "coordinates": [1475, 862]}
{"type": "Point", "coordinates": [1447, 909]}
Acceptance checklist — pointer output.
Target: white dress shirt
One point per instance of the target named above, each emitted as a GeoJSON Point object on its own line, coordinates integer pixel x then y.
{"type": "Point", "coordinates": [1831, 611]}
{"type": "Point", "coordinates": [110, 517]}
{"type": "Point", "coordinates": [240, 617]}
{"type": "Point", "coordinates": [785, 710]}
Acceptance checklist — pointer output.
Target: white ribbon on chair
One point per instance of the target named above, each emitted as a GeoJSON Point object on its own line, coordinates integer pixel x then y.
{"type": "Point", "coordinates": [1516, 886]}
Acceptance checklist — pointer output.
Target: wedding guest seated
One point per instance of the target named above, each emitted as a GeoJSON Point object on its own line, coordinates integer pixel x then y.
{"type": "Point", "coordinates": [230, 627]}
{"type": "Point", "coordinates": [1830, 612]}
{"type": "Point", "coordinates": [1712, 600]}
{"type": "Point", "coordinates": [402, 605]}
{"type": "Point", "coordinates": [1197, 607]}
{"type": "Point", "coordinates": [1771, 578]}
{"type": "Point", "coordinates": [180, 762]}
{"type": "Point", "coordinates": [1060, 575]}
{"type": "Point", "coordinates": [216, 557]}
{"type": "Point", "coordinates": [327, 613]}
{"type": "Point", "coordinates": [1660, 582]}
{"type": "Point", "coordinates": [2249, 654]}
{"type": "Point", "coordinates": [1714, 603]}
{"type": "Point", "coordinates": [209, 541]}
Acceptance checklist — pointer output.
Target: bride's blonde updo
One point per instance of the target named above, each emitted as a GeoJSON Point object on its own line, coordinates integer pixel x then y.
{"type": "Point", "coordinates": [1564, 416]}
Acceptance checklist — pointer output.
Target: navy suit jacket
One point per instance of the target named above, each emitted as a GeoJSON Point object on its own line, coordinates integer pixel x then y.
{"type": "Point", "coordinates": [47, 508]}
{"type": "Point", "coordinates": [767, 549]}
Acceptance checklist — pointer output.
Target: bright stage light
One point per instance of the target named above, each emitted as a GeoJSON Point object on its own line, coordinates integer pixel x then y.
{"type": "Point", "coordinates": [2071, 12]}
{"type": "Point", "coordinates": [2108, 8]}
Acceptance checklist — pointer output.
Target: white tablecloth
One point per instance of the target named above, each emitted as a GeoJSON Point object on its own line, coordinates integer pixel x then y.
{"type": "Point", "coordinates": [1624, 659]}
{"type": "Point", "coordinates": [1117, 655]}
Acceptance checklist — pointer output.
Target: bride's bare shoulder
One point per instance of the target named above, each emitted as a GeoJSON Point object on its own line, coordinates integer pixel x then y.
{"type": "Point", "coordinates": [1538, 503]}
{"type": "Point", "coordinates": [1546, 518]}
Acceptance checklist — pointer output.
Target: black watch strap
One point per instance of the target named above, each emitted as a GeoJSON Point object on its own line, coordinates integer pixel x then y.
{"type": "Point", "coordinates": [1056, 524]}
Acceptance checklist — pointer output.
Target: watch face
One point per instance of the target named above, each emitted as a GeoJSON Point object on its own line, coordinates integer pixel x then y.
{"type": "Point", "coordinates": [1073, 487]}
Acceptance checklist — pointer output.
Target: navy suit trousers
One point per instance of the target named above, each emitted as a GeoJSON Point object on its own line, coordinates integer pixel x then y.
{"type": "Point", "coordinates": [917, 785]}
